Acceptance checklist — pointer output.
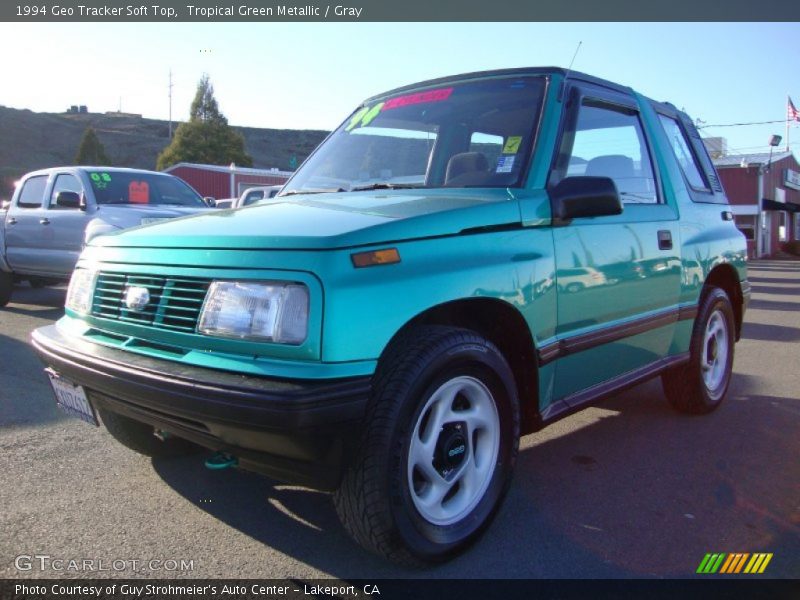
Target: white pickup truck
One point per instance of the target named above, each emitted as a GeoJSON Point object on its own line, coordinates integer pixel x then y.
{"type": "Point", "coordinates": [54, 212]}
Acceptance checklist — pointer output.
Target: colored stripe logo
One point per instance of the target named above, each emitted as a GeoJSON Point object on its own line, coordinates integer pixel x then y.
{"type": "Point", "coordinates": [741, 562]}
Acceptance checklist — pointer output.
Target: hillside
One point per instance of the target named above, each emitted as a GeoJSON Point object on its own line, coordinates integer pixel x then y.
{"type": "Point", "coordinates": [30, 140]}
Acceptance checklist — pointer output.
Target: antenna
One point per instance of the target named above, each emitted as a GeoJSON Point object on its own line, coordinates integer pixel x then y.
{"type": "Point", "coordinates": [170, 103]}
{"type": "Point", "coordinates": [569, 68]}
{"type": "Point", "coordinates": [566, 74]}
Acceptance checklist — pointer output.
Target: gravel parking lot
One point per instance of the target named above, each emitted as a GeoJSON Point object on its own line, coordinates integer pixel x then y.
{"type": "Point", "coordinates": [625, 489]}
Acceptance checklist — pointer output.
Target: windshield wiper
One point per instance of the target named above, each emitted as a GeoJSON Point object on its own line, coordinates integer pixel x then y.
{"type": "Point", "coordinates": [385, 185]}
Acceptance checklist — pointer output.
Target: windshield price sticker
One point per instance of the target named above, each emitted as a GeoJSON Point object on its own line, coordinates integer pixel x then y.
{"type": "Point", "coordinates": [138, 192]}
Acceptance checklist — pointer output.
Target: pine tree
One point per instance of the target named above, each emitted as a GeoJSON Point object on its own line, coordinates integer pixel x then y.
{"type": "Point", "coordinates": [206, 137]}
{"type": "Point", "coordinates": [91, 150]}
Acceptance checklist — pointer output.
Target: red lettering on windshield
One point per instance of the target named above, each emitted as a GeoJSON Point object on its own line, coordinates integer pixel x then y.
{"type": "Point", "coordinates": [420, 98]}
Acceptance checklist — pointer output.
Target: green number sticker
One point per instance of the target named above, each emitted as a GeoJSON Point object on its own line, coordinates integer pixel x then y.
{"type": "Point", "coordinates": [106, 177]}
{"type": "Point", "coordinates": [364, 117]}
{"type": "Point", "coordinates": [356, 118]}
{"type": "Point", "coordinates": [94, 176]}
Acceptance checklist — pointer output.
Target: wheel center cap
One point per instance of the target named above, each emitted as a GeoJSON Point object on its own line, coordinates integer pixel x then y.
{"type": "Point", "coordinates": [456, 450]}
{"type": "Point", "coordinates": [451, 449]}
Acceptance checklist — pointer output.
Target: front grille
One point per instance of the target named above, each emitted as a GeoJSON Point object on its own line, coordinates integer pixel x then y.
{"type": "Point", "coordinates": [175, 302]}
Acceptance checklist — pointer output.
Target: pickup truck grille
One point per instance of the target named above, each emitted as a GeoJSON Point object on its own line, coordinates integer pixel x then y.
{"type": "Point", "coordinates": [175, 302]}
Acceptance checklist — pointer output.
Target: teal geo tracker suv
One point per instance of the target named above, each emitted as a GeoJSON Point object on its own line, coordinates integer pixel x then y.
{"type": "Point", "coordinates": [463, 261]}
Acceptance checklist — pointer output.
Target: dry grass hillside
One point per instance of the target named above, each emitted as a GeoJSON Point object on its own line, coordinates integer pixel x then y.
{"type": "Point", "coordinates": [30, 140]}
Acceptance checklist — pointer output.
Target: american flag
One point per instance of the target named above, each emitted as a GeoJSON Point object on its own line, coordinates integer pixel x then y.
{"type": "Point", "coordinates": [791, 112]}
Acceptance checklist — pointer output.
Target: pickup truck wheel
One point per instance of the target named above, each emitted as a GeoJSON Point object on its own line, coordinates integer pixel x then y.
{"type": "Point", "coordinates": [6, 287]}
{"type": "Point", "coordinates": [438, 449]}
{"type": "Point", "coordinates": [139, 437]}
{"type": "Point", "coordinates": [699, 386]}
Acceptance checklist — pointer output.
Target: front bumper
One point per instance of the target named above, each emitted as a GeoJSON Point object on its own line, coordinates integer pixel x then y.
{"type": "Point", "coordinates": [299, 431]}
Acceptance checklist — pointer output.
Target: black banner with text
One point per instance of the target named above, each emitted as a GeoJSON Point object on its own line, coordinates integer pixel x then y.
{"type": "Point", "coordinates": [397, 10]}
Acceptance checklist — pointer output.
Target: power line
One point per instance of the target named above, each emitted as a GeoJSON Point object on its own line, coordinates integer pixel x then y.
{"type": "Point", "coordinates": [752, 123]}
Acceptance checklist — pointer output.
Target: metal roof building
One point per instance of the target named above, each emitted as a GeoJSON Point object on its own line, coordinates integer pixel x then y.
{"type": "Point", "coordinates": [225, 182]}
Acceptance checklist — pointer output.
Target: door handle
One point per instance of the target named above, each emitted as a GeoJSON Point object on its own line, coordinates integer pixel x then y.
{"type": "Point", "coordinates": [12, 221]}
{"type": "Point", "coordinates": [664, 239]}
{"type": "Point", "coordinates": [44, 221]}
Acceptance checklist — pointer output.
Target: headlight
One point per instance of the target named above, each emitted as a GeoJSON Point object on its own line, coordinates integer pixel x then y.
{"type": "Point", "coordinates": [270, 311]}
{"type": "Point", "coordinates": [79, 294]}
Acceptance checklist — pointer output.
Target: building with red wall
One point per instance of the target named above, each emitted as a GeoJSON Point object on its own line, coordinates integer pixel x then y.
{"type": "Point", "coordinates": [225, 182]}
{"type": "Point", "coordinates": [764, 194]}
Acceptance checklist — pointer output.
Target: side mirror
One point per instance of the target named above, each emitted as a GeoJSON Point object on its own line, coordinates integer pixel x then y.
{"type": "Point", "coordinates": [576, 197]}
{"type": "Point", "coordinates": [210, 200]}
{"type": "Point", "coordinates": [69, 200]}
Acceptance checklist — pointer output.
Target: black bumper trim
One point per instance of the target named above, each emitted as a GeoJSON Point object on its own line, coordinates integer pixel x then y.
{"type": "Point", "coordinates": [200, 394]}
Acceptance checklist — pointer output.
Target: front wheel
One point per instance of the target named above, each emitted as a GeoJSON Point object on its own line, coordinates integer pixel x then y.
{"type": "Point", "coordinates": [699, 386]}
{"type": "Point", "coordinates": [440, 442]}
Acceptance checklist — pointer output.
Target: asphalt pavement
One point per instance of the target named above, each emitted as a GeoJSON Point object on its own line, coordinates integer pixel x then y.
{"type": "Point", "coordinates": [625, 489]}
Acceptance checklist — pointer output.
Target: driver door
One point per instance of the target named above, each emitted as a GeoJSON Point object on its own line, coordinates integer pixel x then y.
{"type": "Point", "coordinates": [617, 277]}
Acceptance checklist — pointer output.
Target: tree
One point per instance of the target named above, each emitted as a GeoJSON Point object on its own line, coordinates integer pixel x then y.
{"type": "Point", "coordinates": [91, 150]}
{"type": "Point", "coordinates": [206, 137]}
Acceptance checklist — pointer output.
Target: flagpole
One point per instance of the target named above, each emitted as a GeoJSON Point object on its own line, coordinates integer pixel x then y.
{"type": "Point", "coordinates": [787, 123]}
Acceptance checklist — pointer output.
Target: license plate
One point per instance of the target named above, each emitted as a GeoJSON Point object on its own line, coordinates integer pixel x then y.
{"type": "Point", "coordinates": [72, 398]}
{"type": "Point", "coordinates": [150, 220]}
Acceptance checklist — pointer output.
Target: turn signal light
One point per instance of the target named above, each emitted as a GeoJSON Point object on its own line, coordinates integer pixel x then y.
{"type": "Point", "coordinates": [374, 258]}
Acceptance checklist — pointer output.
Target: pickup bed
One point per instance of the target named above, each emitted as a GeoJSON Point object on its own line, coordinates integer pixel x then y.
{"type": "Point", "coordinates": [55, 212]}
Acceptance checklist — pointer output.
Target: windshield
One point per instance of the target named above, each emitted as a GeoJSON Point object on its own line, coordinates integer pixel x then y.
{"type": "Point", "coordinates": [121, 187]}
{"type": "Point", "coordinates": [472, 134]}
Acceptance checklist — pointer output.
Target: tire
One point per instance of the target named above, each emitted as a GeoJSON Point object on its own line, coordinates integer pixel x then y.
{"type": "Point", "coordinates": [699, 386]}
{"type": "Point", "coordinates": [437, 390]}
{"type": "Point", "coordinates": [6, 287]}
{"type": "Point", "coordinates": [139, 437]}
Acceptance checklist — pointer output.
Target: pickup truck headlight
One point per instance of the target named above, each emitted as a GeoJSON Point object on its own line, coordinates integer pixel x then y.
{"type": "Point", "coordinates": [79, 293]}
{"type": "Point", "coordinates": [270, 311]}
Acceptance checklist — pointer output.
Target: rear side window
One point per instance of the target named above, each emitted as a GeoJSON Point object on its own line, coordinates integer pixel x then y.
{"type": "Point", "coordinates": [32, 193]}
{"type": "Point", "coordinates": [681, 149]}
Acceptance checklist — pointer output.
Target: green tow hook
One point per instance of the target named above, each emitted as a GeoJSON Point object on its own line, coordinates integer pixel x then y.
{"type": "Point", "coordinates": [221, 460]}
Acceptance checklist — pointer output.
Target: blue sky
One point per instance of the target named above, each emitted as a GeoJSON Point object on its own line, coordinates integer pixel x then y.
{"type": "Point", "coordinates": [310, 76]}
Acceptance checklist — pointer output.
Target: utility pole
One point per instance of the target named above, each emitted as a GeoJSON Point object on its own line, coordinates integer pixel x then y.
{"type": "Point", "coordinates": [170, 104]}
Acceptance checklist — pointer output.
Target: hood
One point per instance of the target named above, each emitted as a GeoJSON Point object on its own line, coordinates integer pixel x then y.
{"type": "Point", "coordinates": [130, 215]}
{"type": "Point", "coordinates": [328, 221]}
